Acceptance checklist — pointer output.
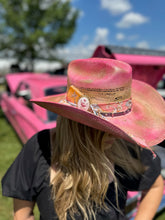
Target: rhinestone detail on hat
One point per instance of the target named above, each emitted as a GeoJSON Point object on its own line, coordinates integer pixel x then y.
{"type": "Point", "coordinates": [76, 98]}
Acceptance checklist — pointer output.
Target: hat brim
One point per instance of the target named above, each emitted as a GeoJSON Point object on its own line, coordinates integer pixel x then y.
{"type": "Point", "coordinates": [145, 124]}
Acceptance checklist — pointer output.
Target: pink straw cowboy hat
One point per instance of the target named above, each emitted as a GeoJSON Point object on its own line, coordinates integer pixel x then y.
{"type": "Point", "coordinates": [102, 94]}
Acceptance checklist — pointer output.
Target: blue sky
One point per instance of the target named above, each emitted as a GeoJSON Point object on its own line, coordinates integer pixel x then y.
{"type": "Point", "coordinates": [133, 23]}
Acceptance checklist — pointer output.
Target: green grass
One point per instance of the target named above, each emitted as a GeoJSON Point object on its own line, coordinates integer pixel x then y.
{"type": "Point", "coordinates": [9, 148]}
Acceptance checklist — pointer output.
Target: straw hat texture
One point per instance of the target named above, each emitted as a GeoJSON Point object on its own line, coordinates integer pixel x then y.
{"type": "Point", "coordinates": [102, 94]}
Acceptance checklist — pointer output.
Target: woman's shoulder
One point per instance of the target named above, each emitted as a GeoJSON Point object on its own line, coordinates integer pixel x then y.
{"type": "Point", "coordinates": [26, 176]}
{"type": "Point", "coordinates": [39, 142]}
{"type": "Point", "coordinates": [40, 137]}
{"type": "Point", "coordinates": [35, 151]}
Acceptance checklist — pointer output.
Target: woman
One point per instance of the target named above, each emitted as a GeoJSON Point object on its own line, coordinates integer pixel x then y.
{"type": "Point", "coordinates": [98, 151]}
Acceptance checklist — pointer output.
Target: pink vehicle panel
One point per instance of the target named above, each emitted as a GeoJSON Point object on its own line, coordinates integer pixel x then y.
{"type": "Point", "coordinates": [25, 117]}
{"type": "Point", "coordinates": [147, 65]}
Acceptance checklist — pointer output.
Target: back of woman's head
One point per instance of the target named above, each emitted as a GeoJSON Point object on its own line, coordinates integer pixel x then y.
{"type": "Point", "coordinates": [84, 166]}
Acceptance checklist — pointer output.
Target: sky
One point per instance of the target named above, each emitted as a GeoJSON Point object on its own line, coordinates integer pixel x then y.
{"type": "Point", "coordinates": [132, 23]}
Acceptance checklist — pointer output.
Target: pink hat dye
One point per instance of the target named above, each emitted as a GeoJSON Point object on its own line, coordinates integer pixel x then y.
{"type": "Point", "coordinates": [102, 94]}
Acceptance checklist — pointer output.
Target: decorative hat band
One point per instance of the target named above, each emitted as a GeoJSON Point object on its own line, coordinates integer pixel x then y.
{"type": "Point", "coordinates": [102, 102]}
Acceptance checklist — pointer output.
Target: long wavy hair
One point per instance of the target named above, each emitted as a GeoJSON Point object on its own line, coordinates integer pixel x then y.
{"type": "Point", "coordinates": [84, 163]}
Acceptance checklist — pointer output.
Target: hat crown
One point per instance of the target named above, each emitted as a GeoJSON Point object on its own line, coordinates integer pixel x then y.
{"type": "Point", "coordinates": [99, 73]}
{"type": "Point", "coordinates": [100, 85]}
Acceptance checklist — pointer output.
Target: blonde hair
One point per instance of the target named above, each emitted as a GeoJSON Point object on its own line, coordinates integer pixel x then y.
{"type": "Point", "coordinates": [84, 167]}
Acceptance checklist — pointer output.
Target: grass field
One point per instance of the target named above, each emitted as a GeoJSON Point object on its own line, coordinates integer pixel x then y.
{"type": "Point", "coordinates": [9, 148]}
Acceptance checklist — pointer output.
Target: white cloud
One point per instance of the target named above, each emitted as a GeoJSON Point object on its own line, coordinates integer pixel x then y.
{"type": "Point", "coordinates": [120, 36]}
{"type": "Point", "coordinates": [101, 36]}
{"type": "Point", "coordinates": [116, 7]}
{"type": "Point", "coordinates": [81, 13]}
{"type": "Point", "coordinates": [131, 19]}
{"type": "Point", "coordinates": [143, 45]}
{"type": "Point", "coordinates": [162, 48]}
{"type": "Point", "coordinates": [81, 50]}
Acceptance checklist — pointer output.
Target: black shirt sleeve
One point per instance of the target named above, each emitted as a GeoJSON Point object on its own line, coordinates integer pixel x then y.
{"type": "Point", "coordinates": [145, 181]}
{"type": "Point", "coordinates": [24, 179]}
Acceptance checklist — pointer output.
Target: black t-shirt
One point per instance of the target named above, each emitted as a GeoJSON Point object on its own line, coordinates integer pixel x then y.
{"type": "Point", "coordinates": [28, 179]}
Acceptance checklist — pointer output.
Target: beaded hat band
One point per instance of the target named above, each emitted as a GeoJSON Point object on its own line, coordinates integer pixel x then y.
{"type": "Point", "coordinates": [114, 102]}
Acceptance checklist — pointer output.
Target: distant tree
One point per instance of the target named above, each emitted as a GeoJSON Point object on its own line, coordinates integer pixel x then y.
{"type": "Point", "coordinates": [33, 29]}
